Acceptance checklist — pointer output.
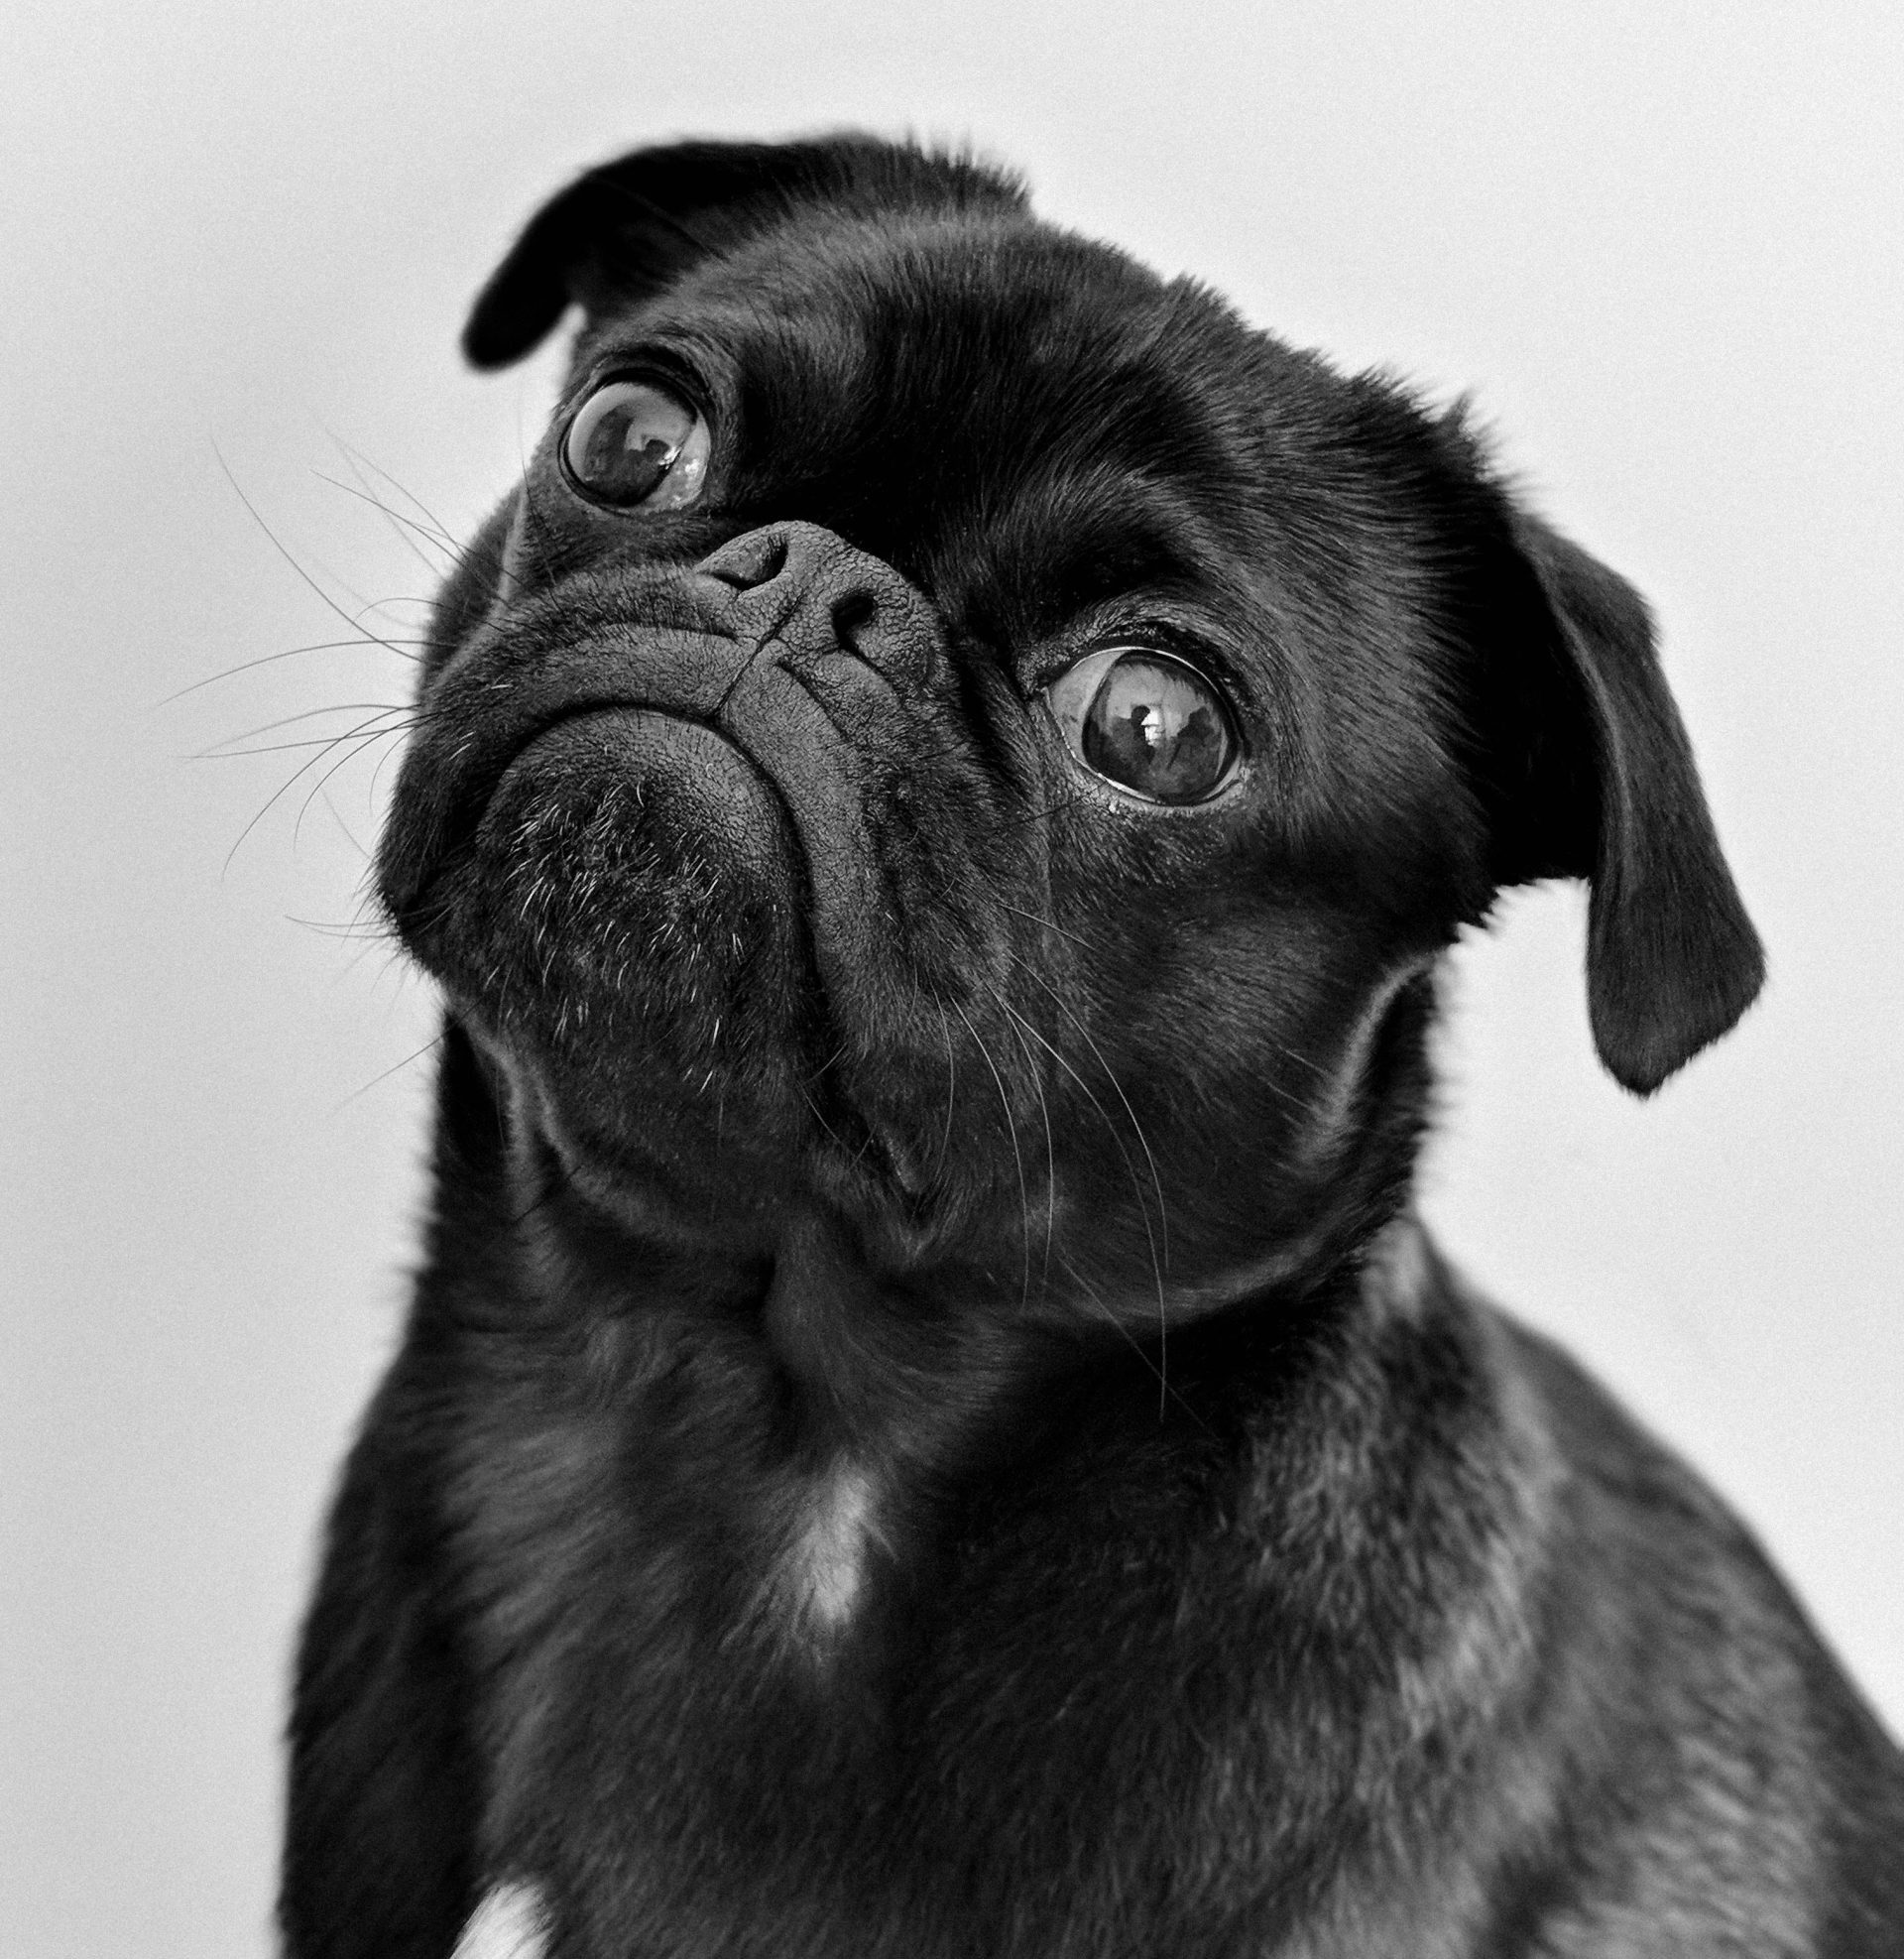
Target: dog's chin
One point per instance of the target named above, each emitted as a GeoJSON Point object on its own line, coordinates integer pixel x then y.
{"type": "Point", "coordinates": [730, 1183]}
{"type": "Point", "coordinates": [625, 919]}
{"type": "Point", "coordinates": [623, 931]}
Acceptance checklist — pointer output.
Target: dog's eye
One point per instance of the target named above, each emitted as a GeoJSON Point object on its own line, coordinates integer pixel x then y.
{"type": "Point", "coordinates": [633, 443]}
{"type": "Point", "coordinates": [1147, 721]}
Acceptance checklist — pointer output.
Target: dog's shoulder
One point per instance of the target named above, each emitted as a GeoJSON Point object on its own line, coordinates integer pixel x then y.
{"type": "Point", "coordinates": [1690, 1695]}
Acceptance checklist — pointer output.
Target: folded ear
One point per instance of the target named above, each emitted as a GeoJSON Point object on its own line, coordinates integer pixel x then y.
{"type": "Point", "coordinates": [1610, 793]}
{"type": "Point", "coordinates": [630, 227]}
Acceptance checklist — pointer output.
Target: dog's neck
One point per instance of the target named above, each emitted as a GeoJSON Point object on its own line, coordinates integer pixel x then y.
{"type": "Point", "coordinates": [849, 1396]}
{"type": "Point", "coordinates": [817, 1415]}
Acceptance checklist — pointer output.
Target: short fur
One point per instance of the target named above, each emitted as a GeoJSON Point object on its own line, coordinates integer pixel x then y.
{"type": "Point", "coordinates": [928, 1425]}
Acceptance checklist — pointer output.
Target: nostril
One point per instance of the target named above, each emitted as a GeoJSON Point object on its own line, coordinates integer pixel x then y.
{"type": "Point", "coordinates": [851, 612]}
{"type": "Point", "coordinates": [745, 562]}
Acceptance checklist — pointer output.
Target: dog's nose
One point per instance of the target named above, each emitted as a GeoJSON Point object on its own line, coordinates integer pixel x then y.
{"type": "Point", "coordinates": [807, 587]}
{"type": "Point", "coordinates": [751, 560]}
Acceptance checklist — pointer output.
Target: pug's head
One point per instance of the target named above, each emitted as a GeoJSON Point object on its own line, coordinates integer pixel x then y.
{"type": "Point", "coordinates": [963, 735]}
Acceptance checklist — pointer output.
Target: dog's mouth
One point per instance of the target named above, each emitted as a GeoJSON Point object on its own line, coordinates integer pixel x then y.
{"type": "Point", "coordinates": [635, 742]}
{"type": "Point", "coordinates": [617, 891]}
{"type": "Point", "coordinates": [619, 903]}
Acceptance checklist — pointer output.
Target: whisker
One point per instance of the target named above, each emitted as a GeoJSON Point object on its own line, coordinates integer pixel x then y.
{"type": "Point", "coordinates": [1097, 1298]}
{"type": "Point", "coordinates": [435, 1041]}
{"type": "Point", "coordinates": [350, 835]}
{"type": "Point", "coordinates": [460, 551]}
{"type": "Point", "coordinates": [406, 528]}
{"type": "Point", "coordinates": [547, 1176]}
{"type": "Point", "coordinates": [1012, 1129]}
{"type": "Point", "coordinates": [1097, 1054]}
{"type": "Point", "coordinates": [310, 715]}
{"type": "Point", "coordinates": [1017, 1021]}
{"type": "Point", "coordinates": [355, 928]}
{"type": "Point", "coordinates": [1129, 1168]}
{"type": "Point", "coordinates": [290, 652]}
{"type": "Point", "coordinates": [355, 623]}
{"type": "Point", "coordinates": [1159, 1254]}
{"type": "Point", "coordinates": [403, 525]}
{"type": "Point", "coordinates": [285, 787]}
{"type": "Point", "coordinates": [377, 774]}
{"type": "Point", "coordinates": [1037, 918]}
{"type": "Point", "coordinates": [822, 1120]}
{"type": "Point", "coordinates": [358, 458]}
{"type": "Point", "coordinates": [358, 746]}
{"type": "Point", "coordinates": [314, 741]}
{"type": "Point", "coordinates": [951, 1089]}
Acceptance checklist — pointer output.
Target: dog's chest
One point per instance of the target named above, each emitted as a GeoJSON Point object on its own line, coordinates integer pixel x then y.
{"type": "Point", "coordinates": [819, 1574]}
{"type": "Point", "coordinates": [626, 1520]}
{"type": "Point", "coordinates": [729, 1686]}
{"type": "Point", "coordinates": [711, 1668]}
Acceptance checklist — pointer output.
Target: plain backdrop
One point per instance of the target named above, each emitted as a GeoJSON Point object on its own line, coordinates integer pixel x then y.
{"type": "Point", "coordinates": [1661, 244]}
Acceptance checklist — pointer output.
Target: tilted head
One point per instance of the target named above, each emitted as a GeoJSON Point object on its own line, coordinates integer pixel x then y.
{"type": "Point", "coordinates": [959, 734]}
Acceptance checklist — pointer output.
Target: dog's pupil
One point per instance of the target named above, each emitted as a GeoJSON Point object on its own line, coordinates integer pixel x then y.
{"type": "Point", "coordinates": [1158, 727]}
{"type": "Point", "coordinates": [624, 439]}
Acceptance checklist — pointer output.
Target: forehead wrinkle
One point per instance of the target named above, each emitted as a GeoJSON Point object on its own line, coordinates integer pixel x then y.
{"type": "Point", "coordinates": [1082, 464]}
{"type": "Point", "coordinates": [1000, 295]}
{"type": "Point", "coordinates": [1063, 540]}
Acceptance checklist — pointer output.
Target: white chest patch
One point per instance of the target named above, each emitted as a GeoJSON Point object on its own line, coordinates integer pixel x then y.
{"type": "Point", "coordinates": [508, 1924]}
{"type": "Point", "coordinates": [823, 1571]}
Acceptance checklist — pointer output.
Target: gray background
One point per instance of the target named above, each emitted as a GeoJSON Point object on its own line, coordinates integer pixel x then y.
{"type": "Point", "coordinates": [1660, 243]}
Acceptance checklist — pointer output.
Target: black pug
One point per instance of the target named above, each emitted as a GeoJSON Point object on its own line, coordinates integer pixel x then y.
{"type": "Point", "coordinates": [928, 1425]}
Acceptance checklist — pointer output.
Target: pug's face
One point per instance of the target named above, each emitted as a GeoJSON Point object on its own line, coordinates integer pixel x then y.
{"type": "Point", "coordinates": [957, 733]}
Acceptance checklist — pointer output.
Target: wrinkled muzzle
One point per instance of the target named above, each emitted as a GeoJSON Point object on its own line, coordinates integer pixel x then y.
{"type": "Point", "coordinates": [725, 829]}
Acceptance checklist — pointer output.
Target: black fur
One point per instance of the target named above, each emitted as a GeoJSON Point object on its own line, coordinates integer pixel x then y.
{"type": "Point", "coordinates": [928, 1425]}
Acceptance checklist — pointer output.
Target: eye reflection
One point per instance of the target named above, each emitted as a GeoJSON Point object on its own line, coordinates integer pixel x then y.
{"type": "Point", "coordinates": [634, 444]}
{"type": "Point", "coordinates": [1147, 721]}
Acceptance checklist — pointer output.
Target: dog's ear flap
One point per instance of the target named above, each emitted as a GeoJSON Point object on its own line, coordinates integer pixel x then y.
{"type": "Point", "coordinates": [621, 229]}
{"type": "Point", "coordinates": [630, 227]}
{"type": "Point", "coordinates": [1610, 794]}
